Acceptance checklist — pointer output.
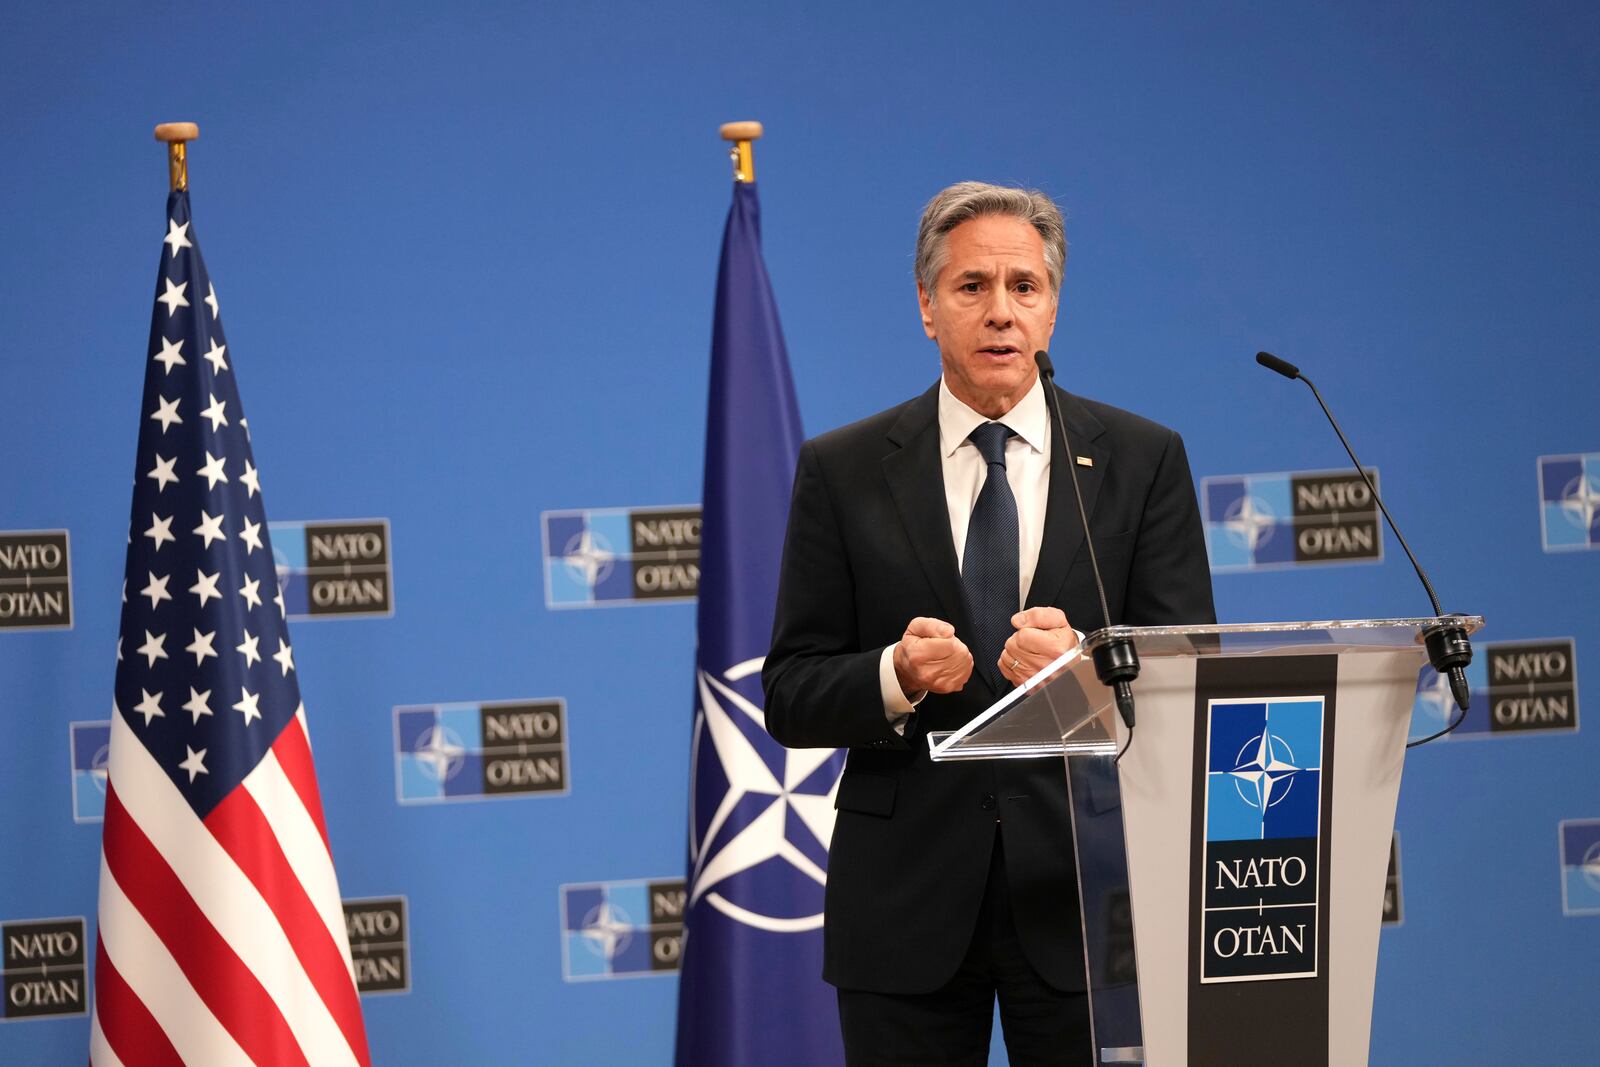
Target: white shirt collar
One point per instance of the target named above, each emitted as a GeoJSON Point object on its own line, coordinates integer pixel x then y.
{"type": "Point", "coordinates": [1027, 419]}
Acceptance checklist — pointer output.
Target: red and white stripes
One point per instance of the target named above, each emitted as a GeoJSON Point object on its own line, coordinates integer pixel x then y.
{"type": "Point", "coordinates": [222, 941]}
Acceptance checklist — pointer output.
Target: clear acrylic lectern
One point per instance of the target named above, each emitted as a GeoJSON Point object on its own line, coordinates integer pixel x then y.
{"type": "Point", "coordinates": [1231, 867]}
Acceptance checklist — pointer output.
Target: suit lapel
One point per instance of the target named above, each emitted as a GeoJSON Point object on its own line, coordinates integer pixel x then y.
{"type": "Point", "coordinates": [916, 482]}
{"type": "Point", "coordinates": [1063, 529]}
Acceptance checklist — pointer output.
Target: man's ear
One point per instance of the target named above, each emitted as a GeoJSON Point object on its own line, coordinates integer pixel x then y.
{"type": "Point", "coordinates": [925, 304]}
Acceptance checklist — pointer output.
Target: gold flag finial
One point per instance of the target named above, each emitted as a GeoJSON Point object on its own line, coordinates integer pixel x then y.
{"type": "Point", "coordinates": [742, 134]}
{"type": "Point", "coordinates": [177, 135]}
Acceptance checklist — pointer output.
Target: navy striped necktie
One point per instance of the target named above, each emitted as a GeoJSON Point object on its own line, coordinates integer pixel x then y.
{"type": "Point", "coordinates": [989, 569]}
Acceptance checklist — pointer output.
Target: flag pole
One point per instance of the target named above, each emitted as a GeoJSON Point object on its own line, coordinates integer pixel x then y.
{"type": "Point", "coordinates": [743, 135]}
{"type": "Point", "coordinates": [177, 135]}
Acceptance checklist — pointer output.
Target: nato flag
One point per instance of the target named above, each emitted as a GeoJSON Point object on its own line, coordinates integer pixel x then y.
{"type": "Point", "coordinates": [760, 815]}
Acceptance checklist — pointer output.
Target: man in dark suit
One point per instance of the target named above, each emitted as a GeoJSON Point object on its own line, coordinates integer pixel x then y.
{"type": "Point", "coordinates": [934, 558]}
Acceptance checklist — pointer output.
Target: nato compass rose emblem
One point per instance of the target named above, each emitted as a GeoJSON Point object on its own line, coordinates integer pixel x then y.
{"type": "Point", "coordinates": [760, 815]}
{"type": "Point", "coordinates": [1580, 501]}
{"type": "Point", "coordinates": [1249, 522]}
{"type": "Point", "coordinates": [439, 753]}
{"type": "Point", "coordinates": [1264, 771]}
{"type": "Point", "coordinates": [607, 930]}
{"type": "Point", "coordinates": [589, 557]}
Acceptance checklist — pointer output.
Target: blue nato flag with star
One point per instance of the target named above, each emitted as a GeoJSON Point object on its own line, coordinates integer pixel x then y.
{"type": "Point", "coordinates": [760, 816]}
{"type": "Point", "coordinates": [221, 938]}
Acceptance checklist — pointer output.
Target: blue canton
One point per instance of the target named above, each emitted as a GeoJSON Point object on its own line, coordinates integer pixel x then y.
{"type": "Point", "coordinates": [205, 674]}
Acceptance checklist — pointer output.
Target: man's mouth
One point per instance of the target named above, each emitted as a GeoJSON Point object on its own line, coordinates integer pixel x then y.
{"type": "Point", "coordinates": [999, 351]}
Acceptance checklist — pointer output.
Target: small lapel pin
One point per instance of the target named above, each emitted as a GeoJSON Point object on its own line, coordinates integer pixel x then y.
{"type": "Point", "coordinates": [1085, 461]}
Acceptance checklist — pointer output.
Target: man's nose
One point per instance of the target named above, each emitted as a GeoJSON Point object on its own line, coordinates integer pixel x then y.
{"type": "Point", "coordinates": [1000, 313]}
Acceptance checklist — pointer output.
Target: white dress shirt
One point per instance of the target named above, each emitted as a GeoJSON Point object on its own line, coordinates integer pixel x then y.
{"type": "Point", "coordinates": [1027, 471]}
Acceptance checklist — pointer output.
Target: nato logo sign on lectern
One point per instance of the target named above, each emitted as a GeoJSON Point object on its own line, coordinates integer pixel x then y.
{"type": "Point", "coordinates": [1263, 820]}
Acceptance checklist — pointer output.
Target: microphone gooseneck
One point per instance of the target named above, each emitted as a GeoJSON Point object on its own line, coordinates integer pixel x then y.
{"type": "Point", "coordinates": [1116, 662]}
{"type": "Point", "coordinates": [1448, 648]}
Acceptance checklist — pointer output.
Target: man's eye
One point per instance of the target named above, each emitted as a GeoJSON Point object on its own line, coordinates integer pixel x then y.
{"type": "Point", "coordinates": [970, 287]}
{"type": "Point", "coordinates": [1025, 287]}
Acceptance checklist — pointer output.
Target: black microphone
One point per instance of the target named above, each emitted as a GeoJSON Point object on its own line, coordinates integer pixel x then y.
{"type": "Point", "coordinates": [1448, 648]}
{"type": "Point", "coordinates": [1282, 366]}
{"type": "Point", "coordinates": [1116, 662]}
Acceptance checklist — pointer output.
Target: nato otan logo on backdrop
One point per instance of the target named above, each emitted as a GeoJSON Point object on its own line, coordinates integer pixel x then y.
{"type": "Point", "coordinates": [621, 929]}
{"type": "Point", "coordinates": [1569, 501]}
{"type": "Point", "coordinates": [1518, 687]}
{"type": "Point", "coordinates": [1259, 521]}
{"type": "Point", "coordinates": [609, 556]}
{"type": "Point", "coordinates": [1263, 828]}
{"type": "Point", "coordinates": [91, 745]}
{"type": "Point", "coordinates": [379, 945]}
{"type": "Point", "coordinates": [472, 751]}
{"type": "Point", "coordinates": [35, 580]}
{"type": "Point", "coordinates": [337, 569]}
{"type": "Point", "coordinates": [1580, 866]}
{"type": "Point", "coordinates": [44, 968]}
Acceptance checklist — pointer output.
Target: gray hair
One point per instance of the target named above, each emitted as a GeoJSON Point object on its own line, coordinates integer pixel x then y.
{"type": "Point", "coordinates": [964, 201]}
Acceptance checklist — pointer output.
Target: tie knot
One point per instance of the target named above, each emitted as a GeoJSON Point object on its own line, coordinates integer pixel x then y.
{"type": "Point", "coordinates": [991, 439]}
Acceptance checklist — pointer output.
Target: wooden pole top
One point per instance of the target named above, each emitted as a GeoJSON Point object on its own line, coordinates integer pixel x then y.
{"type": "Point", "coordinates": [743, 135]}
{"type": "Point", "coordinates": [177, 136]}
{"type": "Point", "coordinates": [741, 131]}
{"type": "Point", "coordinates": [177, 132]}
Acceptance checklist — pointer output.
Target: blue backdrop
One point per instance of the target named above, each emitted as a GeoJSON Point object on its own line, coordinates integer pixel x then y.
{"type": "Point", "coordinates": [467, 256]}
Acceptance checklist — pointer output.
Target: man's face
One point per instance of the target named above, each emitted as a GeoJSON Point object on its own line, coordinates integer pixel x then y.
{"type": "Point", "coordinates": [993, 309]}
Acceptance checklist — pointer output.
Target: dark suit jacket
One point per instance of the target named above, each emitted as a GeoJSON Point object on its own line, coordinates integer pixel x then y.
{"type": "Point", "coordinates": [868, 548]}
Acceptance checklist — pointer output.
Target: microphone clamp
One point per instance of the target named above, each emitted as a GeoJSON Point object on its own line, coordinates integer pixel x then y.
{"type": "Point", "coordinates": [1449, 651]}
{"type": "Point", "coordinates": [1116, 663]}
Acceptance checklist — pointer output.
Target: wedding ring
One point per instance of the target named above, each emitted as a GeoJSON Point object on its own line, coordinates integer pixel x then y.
{"type": "Point", "coordinates": [1016, 664]}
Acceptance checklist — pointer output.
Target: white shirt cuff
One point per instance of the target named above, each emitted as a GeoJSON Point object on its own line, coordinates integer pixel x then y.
{"type": "Point", "coordinates": [897, 707]}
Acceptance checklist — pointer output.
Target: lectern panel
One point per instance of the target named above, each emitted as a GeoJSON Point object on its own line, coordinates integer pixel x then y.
{"type": "Point", "coordinates": [1259, 906]}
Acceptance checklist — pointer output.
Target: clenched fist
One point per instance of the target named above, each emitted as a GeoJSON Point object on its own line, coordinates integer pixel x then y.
{"type": "Point", "coordinates": [930, 658]}
{"type": "Point", "coordinates": [1042, 635]}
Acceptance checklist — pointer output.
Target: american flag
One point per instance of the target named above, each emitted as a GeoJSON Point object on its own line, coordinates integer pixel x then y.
{"type": "Point", "coordinates": [222, 939]}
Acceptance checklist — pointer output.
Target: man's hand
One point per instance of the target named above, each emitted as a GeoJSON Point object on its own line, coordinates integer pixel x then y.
{"type": "Point", "coordinates": [930, 658]}
{"type": "Point", "coordinates": [1042, 635]}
